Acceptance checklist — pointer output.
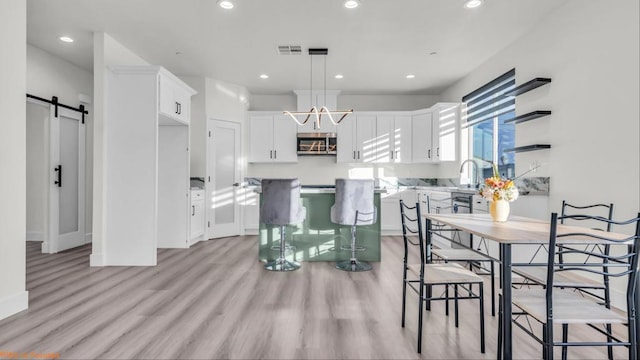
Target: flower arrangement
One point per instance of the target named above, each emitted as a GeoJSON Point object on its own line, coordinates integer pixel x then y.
{"type": "Point", "coordinates": [496, 188]}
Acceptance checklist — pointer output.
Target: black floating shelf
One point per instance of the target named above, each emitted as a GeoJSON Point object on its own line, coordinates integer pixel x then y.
{"type": "Point", "coordinates": [528, 86]}
{"type": "Point", "coordinates": [529, 116]}
{"type": "Point", "coordinates": [528, 148]}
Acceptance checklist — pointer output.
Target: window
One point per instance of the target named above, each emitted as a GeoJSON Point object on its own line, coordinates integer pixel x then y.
{"type": "Point", "coordinates": [488, 136]}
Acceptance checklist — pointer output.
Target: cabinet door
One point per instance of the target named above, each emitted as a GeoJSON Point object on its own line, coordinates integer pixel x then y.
{"type": "Point", "coordinates": [182, 100]}
{"type": "Point", "coordinates": [261, 138]}
{"type": "Point", "coordinates": [365, 138]}
{"type": "Point", "coordinates": [401, 139]}
{"type": "Point", "coordinates": [421, 138]}
{"type": "Point", "coordinates": [346, 133]}
{"type": "Point", "coordinates": [390, 212]}
{"type": "Point", "coordinates": [284, 139]}
{"type": "Point", "coordinates": [167, 104]}
{"type": "Point", "coordinates": [445, 126]}
{"type": "Point", "coordinates": [385, 139]}
{"type": "Point", "coordinates": [197, 218]}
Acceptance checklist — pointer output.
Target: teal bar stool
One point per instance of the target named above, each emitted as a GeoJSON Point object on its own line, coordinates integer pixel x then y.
{"type": "Point", "coordinates": [281, 207]}
{"type": "Point", "coordinates": [354, 206]}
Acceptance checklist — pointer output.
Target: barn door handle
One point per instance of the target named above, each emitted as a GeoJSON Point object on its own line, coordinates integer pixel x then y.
{"type": "Point", "coordinates": [58, 169]}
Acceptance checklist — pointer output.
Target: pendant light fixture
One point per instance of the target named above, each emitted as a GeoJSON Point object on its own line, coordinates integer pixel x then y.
{"type": "Point", "coordinates": [317, 113]}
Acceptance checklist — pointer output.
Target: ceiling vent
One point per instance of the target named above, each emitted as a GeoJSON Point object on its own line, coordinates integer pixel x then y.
{"type": "Point", "coordinates": [289, 49]}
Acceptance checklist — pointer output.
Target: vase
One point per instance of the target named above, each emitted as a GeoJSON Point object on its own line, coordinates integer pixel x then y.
{"type": "Point", "coordinates": [499, 210]}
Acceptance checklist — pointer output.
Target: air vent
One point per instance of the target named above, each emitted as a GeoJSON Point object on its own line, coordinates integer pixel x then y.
{"type": "Point", "coordinates": [318, 51]}
{"type": "Point", "coordinates": [289, 49]}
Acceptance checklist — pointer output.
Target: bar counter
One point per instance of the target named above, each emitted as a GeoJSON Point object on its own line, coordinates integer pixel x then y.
{"type": "Point", "coordinates": [317, 238]}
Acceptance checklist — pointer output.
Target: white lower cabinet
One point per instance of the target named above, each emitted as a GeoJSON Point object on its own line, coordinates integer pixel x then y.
{"type": "Point", "coordinates": [390, 221]}
{"type": "Point", "coordinates": [197, 215]}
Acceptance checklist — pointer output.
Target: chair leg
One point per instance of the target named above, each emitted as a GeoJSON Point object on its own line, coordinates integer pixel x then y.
{"type": "Point", "coordinates": [633, 349]}
{"type": "Point", "coordinates": [565, 338]}
{"type": "Point", "coordinates": [549, 341]}
{"type": "Point", "coordinates": [281, 263]}
{"type": "Point", "coordinates": [455, 302]}
{"type": "Point", "coordinates": [446, 302]}
{"type": "Point", "coordinates": [482, 318]}
{"type": "Point", "coordinates": [493, 290]}
{"type": "Point", "coordinates": [353, 264]}
{"type": "Point", "coordinates": [404, 293]}
{"type": "Point", "coordinates": [500, 315]}
{"type": "Point", "coordinates": [427, 301]}
{"type": "Point", "coordinates": [609, 339]}
{"type": "Point", "coordinates": [420, 316]}
{"type": "Point", "coordinates": [545, 353]}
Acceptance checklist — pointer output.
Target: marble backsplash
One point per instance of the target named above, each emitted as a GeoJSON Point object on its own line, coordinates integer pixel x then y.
{"type": "Point", "coordinates": [526, 185]}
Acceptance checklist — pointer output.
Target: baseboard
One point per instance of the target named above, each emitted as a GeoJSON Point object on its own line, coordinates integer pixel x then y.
{"type": "Point", "coordinates": [44, 247]}
{"type": "Point", "coordinates": [14, 304]}
{"type": "Point", "coordinates": [88, 238]}
{"type": "Point", "coordinates": [251, 231]}
{"type": "Point", "coordinates": [35, 236]}
{"type": "Point", "coordinates": [96, 259]}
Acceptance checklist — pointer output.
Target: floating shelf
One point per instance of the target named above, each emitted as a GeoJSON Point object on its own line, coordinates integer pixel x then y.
{"type": "Point", "coordinates": [528, 86]}
{"type": "Point", "coordinates": [529, 116]}
{"type": "Point", "coordinates": [528, 148]}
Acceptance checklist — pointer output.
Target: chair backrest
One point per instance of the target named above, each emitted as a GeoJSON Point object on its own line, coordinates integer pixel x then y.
{"type": "Point", "coordinates": [281, 202]}
{"type": "Point", "coordinates": [602, 210]}
{"type": "Point", "coordinates": [354, 202]}
{"type": "Point", "coordinates": [411, 226]}
{"type": "Point", "coordinates": [612, 266]}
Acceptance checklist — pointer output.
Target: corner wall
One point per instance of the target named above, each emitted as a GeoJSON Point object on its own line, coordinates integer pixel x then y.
{"type": "Point", "coordinates": [13, 67]}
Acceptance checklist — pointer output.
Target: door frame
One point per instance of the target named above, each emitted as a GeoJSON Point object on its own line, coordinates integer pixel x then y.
{"type": "Point", "coordinates": [209, 184]}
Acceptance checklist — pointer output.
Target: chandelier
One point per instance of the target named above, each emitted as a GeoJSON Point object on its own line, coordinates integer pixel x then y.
{"type": "Point", "coordinates": [315, 114]}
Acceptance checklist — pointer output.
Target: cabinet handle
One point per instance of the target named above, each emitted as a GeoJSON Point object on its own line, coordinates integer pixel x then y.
{"type": "Point", "coordinates": [270, 154]}
{"type": "Point", "coordinates": [58, 169]}
{"type": "Point", "coordinates": [193, 210]}
{"type": "Point", "coordinates": [391, 154]}
{"type": "Point", "coordinates": [177, 107]}
{"type": "Point", "coordinates": [358, 154]}
{"type": "Point", "coordinates": [429, 154]}
{"type": "Point", "coordinates": [354, 154]}
{"type": "Point", "coordinates": [275, 154]}
{"type": "Point", "coordinates": [438, 151]}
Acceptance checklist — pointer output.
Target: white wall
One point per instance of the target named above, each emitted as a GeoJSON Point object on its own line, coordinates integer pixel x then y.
{"type": "Point", "coordinates": [47, 76]}
{"type": "Point", "coordinates": [386, 102]}
{"type": "Point", "coordinates": [106, 52]}
{"type": "Point", "coordinates": [590, 51]}
{"type": "Point", "coordinates": [13, 39]}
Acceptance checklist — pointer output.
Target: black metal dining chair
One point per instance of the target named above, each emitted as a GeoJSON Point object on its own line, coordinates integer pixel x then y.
{"type": "Point", "coordinates": [558, 304]}
{"type": "Point", "coordinates": [422, 277]}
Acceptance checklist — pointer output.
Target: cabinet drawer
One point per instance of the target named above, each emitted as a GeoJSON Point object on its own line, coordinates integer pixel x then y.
{"type": "Point", "coordinates": [197, 195]}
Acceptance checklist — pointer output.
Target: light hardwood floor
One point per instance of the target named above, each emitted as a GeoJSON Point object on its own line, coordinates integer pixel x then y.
{"type": "Point", "coordinates": [215, 300]}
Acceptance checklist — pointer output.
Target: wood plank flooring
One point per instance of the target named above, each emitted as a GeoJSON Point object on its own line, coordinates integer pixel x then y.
{"type": "Point", "coordinates": [215, 300]}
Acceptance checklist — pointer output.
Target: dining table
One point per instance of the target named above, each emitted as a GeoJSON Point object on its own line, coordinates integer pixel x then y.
{"type": "Point", "coordinates": [516, 230]}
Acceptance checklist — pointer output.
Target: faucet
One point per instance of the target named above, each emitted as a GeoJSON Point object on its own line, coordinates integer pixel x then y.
{"type": "Point", "coordinates": [475, 166]}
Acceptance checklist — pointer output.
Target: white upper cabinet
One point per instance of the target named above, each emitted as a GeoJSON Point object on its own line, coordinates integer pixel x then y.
{"type": "Point", "coordinates": [422, 137]}
{"type": "Point", "coordinates": [272, 138]}
{"type": "Point", "coordinates": [393, 139]}
{"type": "Point", "coordinates": [356, 139]}
{"type": "Point", "coordinates": [175, 98]}
{"type": "Point", "coordinates": [446, 120]}
{"type": "Point", "coordinates": [307, 99]}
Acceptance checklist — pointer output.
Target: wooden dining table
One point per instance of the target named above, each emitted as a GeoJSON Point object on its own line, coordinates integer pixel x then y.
{"type": "Point", "coordinates": [516, 231]}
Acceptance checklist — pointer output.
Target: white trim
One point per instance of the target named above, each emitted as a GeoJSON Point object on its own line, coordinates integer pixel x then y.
{"type": "Point", "coordinates": [13, 304]}
{"type": "Point", "coordinates": [35, 236]}
{"type": "Point", "coordinates": [44, 247]}
{"type": "Point", "coordinates": [88, 238]}
{"type": "Point", "coordinates": [96, 260]}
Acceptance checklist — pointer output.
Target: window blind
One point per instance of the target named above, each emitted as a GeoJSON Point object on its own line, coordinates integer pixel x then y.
{"type": "Point", "coordinates": [489, 101]}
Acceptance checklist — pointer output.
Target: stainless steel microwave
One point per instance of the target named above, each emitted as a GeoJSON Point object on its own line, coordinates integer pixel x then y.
{"type": "Point", "coordinates": [317, 144]}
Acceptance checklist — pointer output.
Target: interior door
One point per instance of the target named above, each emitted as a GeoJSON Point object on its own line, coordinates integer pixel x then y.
{"type": "Point", "coordinates": [66, 180]}
{"type": "Point", "coordinates": [223, 178]}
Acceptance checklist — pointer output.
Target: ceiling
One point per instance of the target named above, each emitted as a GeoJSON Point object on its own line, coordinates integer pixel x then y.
{"type": "Point", "coordinates": [374, 46]}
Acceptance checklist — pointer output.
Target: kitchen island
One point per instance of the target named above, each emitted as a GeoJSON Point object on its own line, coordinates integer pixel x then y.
{"type": "Point", "coordinates": [317, 238]}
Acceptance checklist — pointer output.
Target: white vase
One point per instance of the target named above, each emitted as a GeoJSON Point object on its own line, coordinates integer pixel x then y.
{"type": "Point", "coordinates": [499, 210]}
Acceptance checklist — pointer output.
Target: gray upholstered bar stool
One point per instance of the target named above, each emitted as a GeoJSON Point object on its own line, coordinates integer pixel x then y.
{"type": "Point", "coordinates": [281, 206]}
{"type": "Point", "coordinates": [354, 206]}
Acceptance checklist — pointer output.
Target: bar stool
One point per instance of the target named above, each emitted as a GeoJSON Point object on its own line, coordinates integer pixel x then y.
{"type": "Point", "coordinates": [354, 206]}
{"type": "Point", "coordinates": [281, 206]}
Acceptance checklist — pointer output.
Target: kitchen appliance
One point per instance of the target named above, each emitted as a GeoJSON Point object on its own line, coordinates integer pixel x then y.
{"type": "Point", "coordinates": [462, 203]}
{"type": "Point", "coordinates": [317, 144]}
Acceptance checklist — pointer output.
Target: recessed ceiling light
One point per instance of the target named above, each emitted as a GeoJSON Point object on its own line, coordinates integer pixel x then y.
{"type": "Point", "coordinates": [473, 4]}
{"type": "Point", "coordinates": [264, 76]}
{"type": "Point", "coordinates": [410, 76]}
{"type": "Point", "coordinates": [66, 39]}
{"type": "Point", "coordinates": [339, 76]}
{"type": "Point", "coordinates": [225, 4]}
{"type": "Point", "coordinates": [351, 4]}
